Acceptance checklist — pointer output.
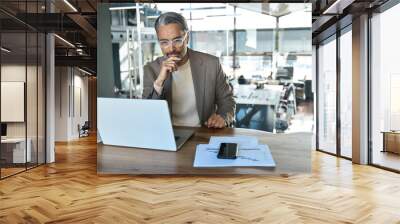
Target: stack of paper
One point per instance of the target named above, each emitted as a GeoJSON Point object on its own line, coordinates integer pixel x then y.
{"type": "Point", "coordinates": [250, 153]}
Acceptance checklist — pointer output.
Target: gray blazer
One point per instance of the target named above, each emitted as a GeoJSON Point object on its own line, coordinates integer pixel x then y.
{"type": "Point", "coordinates": [212, 90]}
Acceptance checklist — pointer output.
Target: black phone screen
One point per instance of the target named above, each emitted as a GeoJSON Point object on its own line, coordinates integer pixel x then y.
{"type": "Point", "coordinates": [228, 151]}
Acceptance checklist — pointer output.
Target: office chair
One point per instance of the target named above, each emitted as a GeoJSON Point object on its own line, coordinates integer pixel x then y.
{"type": "Point", "coordinates": [84, 130]}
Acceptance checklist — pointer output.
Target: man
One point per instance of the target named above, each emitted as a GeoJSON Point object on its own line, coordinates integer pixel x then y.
{"type": "Point", "coordinates": [192, 82]}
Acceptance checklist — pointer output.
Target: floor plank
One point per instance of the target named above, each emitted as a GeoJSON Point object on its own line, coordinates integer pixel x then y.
{"type": "Point", "coordinates": [70, 191]}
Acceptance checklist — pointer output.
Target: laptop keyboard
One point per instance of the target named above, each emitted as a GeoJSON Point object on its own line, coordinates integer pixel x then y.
{"type": "Point", "coordinates": [176, 138]}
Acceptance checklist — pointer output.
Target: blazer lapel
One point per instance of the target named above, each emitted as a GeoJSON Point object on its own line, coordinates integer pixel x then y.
{"type": "Point", "coordinates": [199, 78]}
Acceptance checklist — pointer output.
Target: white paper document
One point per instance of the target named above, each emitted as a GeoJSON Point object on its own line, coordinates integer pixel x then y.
{"type": "Point", "coordinates": [255, 156]}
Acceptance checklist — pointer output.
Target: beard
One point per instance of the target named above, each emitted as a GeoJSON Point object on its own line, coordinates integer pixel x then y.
{"type": "Point", "coordinates": [174, 54]}
{"type": "Point", "coordinates": [177, 53]}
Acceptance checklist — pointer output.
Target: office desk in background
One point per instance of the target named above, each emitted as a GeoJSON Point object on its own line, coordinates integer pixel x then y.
{"type": "Point", "coordinates": [247, 94]}
{"type": "Point", "coordinates": [391, 141]}
{"type": "Point", "coordinates": [291, 152]}
{"type": "Point", "coordinates": [257, 100]}
{"type": "Point", "coordinates": [13, 150]}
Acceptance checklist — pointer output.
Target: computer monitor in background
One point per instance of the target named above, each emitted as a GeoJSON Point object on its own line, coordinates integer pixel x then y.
{"type": "Point", "coordinates": [3, 129]}
{"type": "Point", "coordinates": [284, 73]}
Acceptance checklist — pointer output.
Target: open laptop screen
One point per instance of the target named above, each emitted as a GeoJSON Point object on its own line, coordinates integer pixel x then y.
{"type": "Point", "coordinates": [135, 123]}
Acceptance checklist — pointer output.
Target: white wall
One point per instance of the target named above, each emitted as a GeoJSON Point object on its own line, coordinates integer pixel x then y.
{"type": "Point", "coordinates": [79, 117]}
{"type": "Point", "coordinates": [16, 73]}
{"type": "Point", "coordinates": [71, 102]}
{"type": "Point", "coordinates": [33, 126]}
{"type": "Point", "coordinates": [62, 81]}
{"type": "Point", "coordinates": [11, 73]}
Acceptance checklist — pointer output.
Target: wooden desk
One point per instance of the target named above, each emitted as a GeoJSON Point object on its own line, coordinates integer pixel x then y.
{"type": "Point", "coordinates": [14, 152]}
{"type": "Point", "coordinates": [391, 141]}
{"type": "Point", "coordinates": [291, 152]}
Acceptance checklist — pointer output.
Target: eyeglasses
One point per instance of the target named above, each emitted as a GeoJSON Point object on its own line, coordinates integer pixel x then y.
{"type": "Point", "coordinates": [177, 42]}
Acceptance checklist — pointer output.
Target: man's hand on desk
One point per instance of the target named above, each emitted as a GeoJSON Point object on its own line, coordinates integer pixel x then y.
{"type": "Point", "coordinates": [215, 121]}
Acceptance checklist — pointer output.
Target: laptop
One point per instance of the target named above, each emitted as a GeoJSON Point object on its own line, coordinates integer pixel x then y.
{"type": "Point", "coordinates": [138, 123]}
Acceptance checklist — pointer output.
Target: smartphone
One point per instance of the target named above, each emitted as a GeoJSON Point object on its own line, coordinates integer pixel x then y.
{"type": "Point", "coordinates": [228, 151]}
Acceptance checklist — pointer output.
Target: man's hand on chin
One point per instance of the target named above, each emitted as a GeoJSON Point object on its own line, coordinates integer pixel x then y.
{"type": "Point", "coordinates": [215, 121]}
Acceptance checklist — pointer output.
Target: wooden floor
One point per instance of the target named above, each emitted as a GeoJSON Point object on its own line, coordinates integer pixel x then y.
{"type": "Point", "coordinates": [387, 159]}
{"type": "Point", "coordinates": [69, 191]}
{"type": "Point", "coordinates": [5, 172]}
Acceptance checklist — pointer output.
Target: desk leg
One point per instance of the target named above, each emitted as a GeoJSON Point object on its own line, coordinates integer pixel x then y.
{"type": "Point", "coordinates": [248, 115]}
{"type": "Point", "coordinates": [384, 143]}
{"type": "Point", "coordinates": [267, 112]}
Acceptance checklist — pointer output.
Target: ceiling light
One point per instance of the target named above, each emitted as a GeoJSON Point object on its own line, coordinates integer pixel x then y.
{"type": "Point", "coordinates": [224, 15]}
{"type": "Point", "coordinates": [200, 18]}
{"type": "Point", "coordinates": [65, 41]}
{"type": "Point", "coordinates": [202, 8]}
{"type": "Point", "coordinates": [70, 5]}
{"type": "Point", "coordinates": [124, 7]}
{"type": "Point", "coordinates": [337, 7]}
{"type": "Point", "coordinates": [5, 50]}
{"type": "Point", "coordinates": [84, 71]}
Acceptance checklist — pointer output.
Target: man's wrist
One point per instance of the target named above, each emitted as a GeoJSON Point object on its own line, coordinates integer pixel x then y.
{"type": "Point", "coordinates": [225, 120]}
{"type": "Point", "coordinates": [159, 83]}
{"type": "Point", "coordinates": [158, 87]}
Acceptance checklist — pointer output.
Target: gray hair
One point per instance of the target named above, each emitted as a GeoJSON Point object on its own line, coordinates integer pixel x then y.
{"type": "Point", "coordinates": [171, 17]}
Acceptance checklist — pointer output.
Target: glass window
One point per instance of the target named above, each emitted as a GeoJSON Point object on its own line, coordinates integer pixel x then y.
{"type": "Point", "coordinates": [385, 84]}
{"type": "Point", "coordinates": [41, 88]}
{"type": "Point", "coordinates": [327, 96]}
{"type": "Point", "coordinates": [32, 101]}
{"type": "Point", "coordinates": [15, 149]}
{"type": "Point", "coordinates": [22, 92]}
{"type": "Point", "coordinates": [264, 49]}
{"type": "Point", "coordinates": [346, 94]}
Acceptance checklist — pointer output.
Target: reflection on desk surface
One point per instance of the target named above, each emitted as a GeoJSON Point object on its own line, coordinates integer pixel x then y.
{"type": "Point", "coordinates": [13, 140]}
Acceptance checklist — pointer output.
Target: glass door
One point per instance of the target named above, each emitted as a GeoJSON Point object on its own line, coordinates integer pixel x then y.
{"type": "Point", "coordinates": [14, 153]}
{"type": "Point", "coordinates": [22, 77]}
{"type": "Point", "coordinates": [385, 89]}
